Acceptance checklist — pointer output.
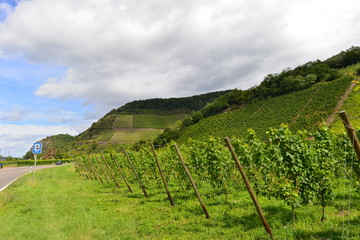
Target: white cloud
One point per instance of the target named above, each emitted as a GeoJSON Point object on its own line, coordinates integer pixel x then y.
{"type": "Point", "coordinates": [17, 139]}
{"type": "Point", "coordinates": [117, 51]}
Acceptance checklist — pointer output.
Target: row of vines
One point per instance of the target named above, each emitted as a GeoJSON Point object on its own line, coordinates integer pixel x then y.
{"type": "Point", "coordinates": [297, 168]}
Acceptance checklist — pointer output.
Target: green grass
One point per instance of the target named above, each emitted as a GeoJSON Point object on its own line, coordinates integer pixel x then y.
{"type": "Point", "coordinates": [107, 135]}
{"type": "Point", "coordinates": [352, 108]}
{"type": "Point", "coordinates": [134, 135]}
{"type": "Point", "coordinates": [123, 121]}
{"type": "Point", "coordinates": [147, 121]}
{"type": "Point", "coordinates": [63, 205]}
{"type": "Point", "coordinates": [154, 121]}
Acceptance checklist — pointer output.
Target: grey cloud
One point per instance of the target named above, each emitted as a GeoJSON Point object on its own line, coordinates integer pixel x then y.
{"type": "Point", "coordinates": [13, 115]}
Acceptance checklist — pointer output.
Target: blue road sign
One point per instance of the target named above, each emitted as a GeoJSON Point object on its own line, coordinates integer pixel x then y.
{"type": "Point", "coordinates": [37, 148]}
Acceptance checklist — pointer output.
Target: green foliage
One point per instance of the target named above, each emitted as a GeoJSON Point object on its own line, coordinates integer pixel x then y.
{"type": "Point", "coordinates": [358, 71]}
{"type": "Point", "coordinates": [345, 58]}
{"type": "Point", "coordinates": [305, 109]}
{"type": "Point", "coordinates": [134, 135]}
{"type": "Point", "coordinates": [166, 136]}
{"type": "Point", "coordinates": [297, 168]}
{"type": "Point", "coordinates": [169, 106]}
{"type": "Point", "coordinates": [123, 121]}
{"type": "Point", "coordinates": [156, 121]}
{"type": "Point", "coordinates": [104, 124]}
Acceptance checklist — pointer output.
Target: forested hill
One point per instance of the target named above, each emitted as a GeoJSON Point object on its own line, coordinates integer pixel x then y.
{"type": "Point", "coordinates": [166, 106]}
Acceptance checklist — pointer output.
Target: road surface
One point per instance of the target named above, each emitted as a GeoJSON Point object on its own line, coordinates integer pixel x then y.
{"type": "Point", "coordinates": [10, 174]}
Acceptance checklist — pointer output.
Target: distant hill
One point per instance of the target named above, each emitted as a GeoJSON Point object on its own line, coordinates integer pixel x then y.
{"type": "Point", "coordinates": [54, 147]}
{"type": "Point", "coordinates": [138, 120]}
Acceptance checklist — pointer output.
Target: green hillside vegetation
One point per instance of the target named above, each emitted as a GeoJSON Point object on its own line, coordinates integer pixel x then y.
{"type": "Point", "coordinates": [138, 120]}
{"type": "Point", "coordinates": [305, 109]}
{"type": "Point", "coordinates": [134, 135]}
{"type": "Point", "coordinates": [161, 122]}
{"type": "Point", "coordinates": [151, 113]}
{"type": "Point", "coordinates": [123, 121]}
{"type": "Point", "coordinates": [352, 103]}
{"type": "Point", "coordinates": [169, 106]}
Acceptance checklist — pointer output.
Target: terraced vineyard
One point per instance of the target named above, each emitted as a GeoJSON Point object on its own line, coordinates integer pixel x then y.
{"type": "Point", "coordinates": [132, 128]}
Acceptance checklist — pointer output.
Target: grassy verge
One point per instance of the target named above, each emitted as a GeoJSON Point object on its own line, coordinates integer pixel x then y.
{"type": "Point", "coordinates": [62, 205]}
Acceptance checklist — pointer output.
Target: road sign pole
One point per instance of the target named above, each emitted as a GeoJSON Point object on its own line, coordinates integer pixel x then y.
{"type": "Point", "coordinates": [35, 157]}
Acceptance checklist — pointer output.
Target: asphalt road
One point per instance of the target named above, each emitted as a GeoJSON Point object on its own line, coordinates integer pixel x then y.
{"type": "Point", "coordinates": [8, 175]}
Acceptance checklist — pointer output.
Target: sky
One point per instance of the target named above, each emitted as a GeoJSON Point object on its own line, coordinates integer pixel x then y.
{"type": "Point", "coordinates": [65, 63]}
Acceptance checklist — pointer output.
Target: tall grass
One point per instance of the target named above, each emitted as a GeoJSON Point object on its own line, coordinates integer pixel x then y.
{"type": "Point", "coordinates": [63, 205]}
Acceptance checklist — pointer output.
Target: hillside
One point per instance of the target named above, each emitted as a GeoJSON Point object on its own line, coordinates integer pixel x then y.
{"type": "Point", "coordinates": [138, 120]}
{"type": "Point", "coordinates": [305, 109]}
{"type": "Point", "coordinates": [54, 147]}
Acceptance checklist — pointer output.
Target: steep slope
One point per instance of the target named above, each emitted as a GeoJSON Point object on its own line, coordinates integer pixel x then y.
{"type": "Point", "coordinates": [306, 109]}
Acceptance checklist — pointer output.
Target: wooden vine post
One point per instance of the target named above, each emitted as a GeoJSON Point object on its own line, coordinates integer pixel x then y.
{"type": "Point", "coordinates": [192, 181]}
{"type": "Point", "coordinates": [121, 172]}
{"type": "Point", "coordinates": [135, 173]}
{"type": "Point", "coordinates": [110, 171]}
{"type": "Point", "coordinates": [162, 176]}
{"type": "Point", "coordinates": [77, 168]}
{"type": "Point", "coordinates": [80, 168]}
{"type": "Point", "coordinates": [95, 171]}
{"type": "Point", "coordinates": [87, 170]}
{"type": "Point", "coordinates": [248, 187]}
{"type": "Point", "coordinates": [102, 169]}
{"type": "Point", "coordinates": [351, 133]}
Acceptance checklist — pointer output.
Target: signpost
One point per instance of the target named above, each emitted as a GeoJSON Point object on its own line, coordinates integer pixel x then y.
{"type": "Point", "coordinates": [36, 149]}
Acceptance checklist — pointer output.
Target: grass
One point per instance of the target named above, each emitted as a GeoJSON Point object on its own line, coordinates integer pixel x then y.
{"type": "Point", "coordinates": [63, 205]}
{"type": "Point", "coordinates": [134, 135]}
{"type": "Point", "coordinates": [123, 121]}
{"type": "Point", "coordinates": [107, 135]}
{"type": "Point", "coordinates": [147, 121]}
{"type": "Point", "coordinates": [351, 104]}
{"type": "Point", "coordinates": [352, 108]}
{"type": "Point", "coordinates": [154, 121]}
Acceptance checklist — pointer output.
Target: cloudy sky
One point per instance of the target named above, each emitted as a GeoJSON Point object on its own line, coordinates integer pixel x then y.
{"type": "Point", "coordinates": [65, 63]}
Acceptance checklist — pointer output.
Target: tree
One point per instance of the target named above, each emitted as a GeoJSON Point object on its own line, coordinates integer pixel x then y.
{"type": "Point", "coordinates": [28, 155]}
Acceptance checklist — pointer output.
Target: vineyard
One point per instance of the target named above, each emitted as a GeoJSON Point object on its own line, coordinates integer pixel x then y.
{"type": "Point", "coordinates": [298, 169]}
{"type": "Point", "coordinates": [305, 109]}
